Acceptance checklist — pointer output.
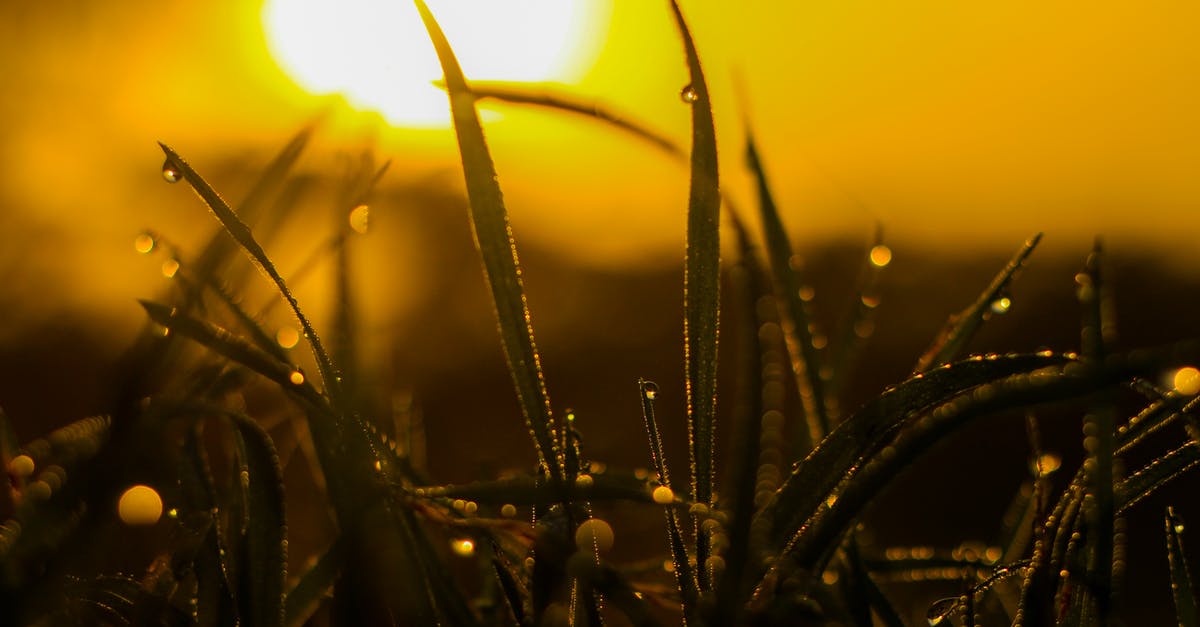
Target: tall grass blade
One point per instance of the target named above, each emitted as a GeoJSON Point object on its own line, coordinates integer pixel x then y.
{"type": "Point", "coordinates": [305, 597]}
{"type": "Point", "coordinates": [701, 285]}
{"type": "Point", "coordinates": [684, 577]}
{"type": "Point", "coordinates": [526, 490]}
{"type": "Point", "coordinates": [1158, 473]}
{"type": "Point", "coordinates": [961, 327]}
{"type": "Point", "coordinates": [1182, 589]}
{"type": "Point", "coordinates": [1099, 445]}
{"type": "Point", "coordinates": [241, 233]}
{"type": "Point", "coordinates": [501, 266]}
{"type": "Point", "coordinates": [263, 571]}
{"type": "Point", "coordinates": [791, 284]}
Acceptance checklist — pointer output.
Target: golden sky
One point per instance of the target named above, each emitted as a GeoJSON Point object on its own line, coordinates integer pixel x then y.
{"type": "Point", "coordinates": [957, 125]}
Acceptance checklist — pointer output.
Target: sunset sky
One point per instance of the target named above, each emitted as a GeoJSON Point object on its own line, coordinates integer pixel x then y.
{"type": "Point", "coordinates": [959, 126]}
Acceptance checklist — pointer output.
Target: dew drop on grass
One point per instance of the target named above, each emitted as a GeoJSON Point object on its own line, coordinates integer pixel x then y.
{"type": "Point", "coordinates": [880, 256]}
{"type": "Point", "coordinates": [139, 505]}
{"type": "Point", "coordinates": [171, 172]}
{"type": "Point", "coordinates": [463, 547]}
{"type": "Point", "coordinates": [287, 337]}
{"type": "Point", "coordinates": [1001, 305]}
{"type": "Point", "coordinates": [360, 218]}
{"type": "Point", "coordinates": [21, 466]}
{"type": "Point", "coordinates": [1186, 381]}
{"type": "Point", "coordinates": [508, 510]}
{"type": "Point", "coordinates": [594, 534]}
{"type": "Point", "coordinates": [650, 389]}
{"type": "Point", "coordinates": [663, 495]}
{"type": "Point", "coordinates": [584, 481]}
{"type": "Point", "coordinates": [689, 94]}
{"type": "Point", "coordinates": [296, 377]}
{"type": "Point", "coordinates": [144, 243]}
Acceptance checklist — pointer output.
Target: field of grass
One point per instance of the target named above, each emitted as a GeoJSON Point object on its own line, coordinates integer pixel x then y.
{"type": "Point", "coordinates": [230, 454]}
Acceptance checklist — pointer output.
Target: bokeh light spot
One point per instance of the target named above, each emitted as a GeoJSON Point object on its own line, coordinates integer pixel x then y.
{"type": "Point", "coordinates": [140, 505]}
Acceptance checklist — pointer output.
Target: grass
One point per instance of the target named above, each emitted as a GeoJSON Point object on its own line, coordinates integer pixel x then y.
{"type": "Point", "coordinates": [769, 548]}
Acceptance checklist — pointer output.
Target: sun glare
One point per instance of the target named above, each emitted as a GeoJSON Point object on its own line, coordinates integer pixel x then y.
{"type": "Point", "coordinates": [376, 52]}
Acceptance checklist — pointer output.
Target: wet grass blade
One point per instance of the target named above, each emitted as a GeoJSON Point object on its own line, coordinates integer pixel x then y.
{"type": "Point", "coordinates": [1163, 470]}
{"type": "Point", "coordinates": [241, 233]}
{"type": "Point", "coordinates": [791, 284]}
{"type": "Point", "coordinates": [1182, 588]}
{"type": "Point", "coordinates": [684, 577]}
{"type": "Point", "coordinates": [305, 597]}
{"type": "Point", "coordinates": [1099, 444]}
{"type": "Point", "coordinates": [234, 348]}
{"type": "Point", "coordinates": [701, 286]}
{"type": "Point", "coordinates": [546, 98]}
{"type": "Point", "coordinates": [493, 238]}
{"type": "Point", "coordinates": [959, 329]}
{"type": "Point", "coordinates": [809, 540]}
{"type": "Point", "coordinates": [263, 570]}
{"type": "Point", "coordinates": [869, 429]}
{"type": "Point", "coordinates": [531, 491]}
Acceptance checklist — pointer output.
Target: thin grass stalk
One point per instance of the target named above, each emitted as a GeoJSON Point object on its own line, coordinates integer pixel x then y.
{"type": "Point", "coordinates": [502, 268]}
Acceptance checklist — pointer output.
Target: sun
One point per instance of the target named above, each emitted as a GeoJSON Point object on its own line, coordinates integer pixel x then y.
{"type": "Point", "coordinates": [376, 52]}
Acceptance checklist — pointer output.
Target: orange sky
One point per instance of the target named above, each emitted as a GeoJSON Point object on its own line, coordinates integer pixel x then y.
{"type": "Point", "coordinates": [958, 125]}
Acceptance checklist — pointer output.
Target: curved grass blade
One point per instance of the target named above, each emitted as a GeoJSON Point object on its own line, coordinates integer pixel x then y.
{"type": "Point", "coordinates": [959, 329]}
{"type": "Point", "coordinates": [869, 429]}
{"type": "Point", "coordinates": [701, 285]}
{"type": "Point", "coordinates": [305, 597]}
{"type": "Point", "coordinates": [1182, 588]}
{"type": "Point", "coordinates": [808, 367]}
{"type": "Point", "coordinates": [684, 577]}
{"type": "Point", "coordinates": [234, 348]}
{"type": "Point", "coordinates": [546, 98]}
{"type": "Point", "coordinates": [240, 232]}
{"type": "Point", "coordinates": [263, 569]}
{"type": "Point", "coordinates": [1054, 383]}
{"type": "Point", "coordinates": [501, 266]}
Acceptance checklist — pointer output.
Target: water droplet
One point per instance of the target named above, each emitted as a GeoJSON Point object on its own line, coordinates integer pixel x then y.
{"type": "Point", "coordinates": [471, 507]}
{"type": "Point", "coordinates": [171, 172]}
{"type": "Point", "coordinates": [806, 293]}
{"type": "Point", "coordinates": [463, 547]}
{"type": "Point", "coordinates": [1046, 464]}
{"type": "Point", "coordinates": [287, 337]}
{"type": "Point", "coordinates": [140, 505]}
{"type": "Point", "coordinates": [689, 94]}
{"type": "Point", "coordinates": [1186, 381]}
{"type": "Point", "coordinates": [21, 466]}
{"type": "Point", "coordinates": [297, 377]}
{"type": "Point", "coordinates": [1179, 528]}
{"type": "Point", "coordinates": [508, 510]}
{"type": "Point", "coordinates": [870, 301]}
{"type": "Point", "coordinates": [880, 256]}
{"type": "Point", "coordinates": [1001, 305]}
{"type": "Point", "coordinates": [360, 218]}
{"type": "Point", "coordinates": [594, 534]}
{"type": "Point", "coordinates": [170, 267]}
{"type": "Point", "coordinates": [584, 481]}
{"type": "Point", "coordinates": [650, 390]}
{"type": "Point", "coordinates": [144, 243]}
{"type": "Point", "coordinates": [663, 495]}
{"type": "Point", "coordinates": [38, 490]}
{"type": "Point", "coordinates": [244, 477]}
{"type": "Point", "coordinates": [378, 466]}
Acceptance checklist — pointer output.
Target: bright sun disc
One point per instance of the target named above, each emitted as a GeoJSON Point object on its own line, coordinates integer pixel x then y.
{"type": "Point", "coordinates": [378, 55]}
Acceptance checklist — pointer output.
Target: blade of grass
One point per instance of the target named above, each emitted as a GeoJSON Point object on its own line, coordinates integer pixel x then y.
{"type": "Point", "coordinates": [501, 266]}
{"type": "Point", "coordinates": [305, 597]}
{"type": "Point", "coordinates": [701, 285]}
{"type": "Point", "coordinates": [1182, 589]}
{"type": "Point", "coordinates": [812, 537]}
{"type": "Point", "coordinates": [808, 367]}
{"type": "Point", "coordinates": [241, 233]}
{"type": "Point", "coordinates": [868, 430]}
{"type": "Point", "coordinates": [531, 491]}
{"type": "Point", "coordinates": [684, 577]}
{"type": "Point", "coordinates": [1098, 442]}
{"type": "Point", "coordinates": [959, 329]}
{"type": "Point", "coordinates": [1156, 474]}
{"type": "Point", "coordinates": [263, 571]}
